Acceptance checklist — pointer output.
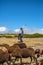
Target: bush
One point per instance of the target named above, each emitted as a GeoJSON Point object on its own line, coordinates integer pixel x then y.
{"type": "Point", "coordinates": [8, 36]}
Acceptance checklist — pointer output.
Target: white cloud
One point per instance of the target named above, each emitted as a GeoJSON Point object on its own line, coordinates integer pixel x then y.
{"type": "Point", "coordinates": [2, 29]}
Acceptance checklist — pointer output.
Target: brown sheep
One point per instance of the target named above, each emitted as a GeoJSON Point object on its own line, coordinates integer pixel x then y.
{"type": "Point", "coordinates": [6, 47]}
{"type": "Point", "coordinates": [4, 55]}
{"type": "Point", "coordinates": [10, 49]}
{"type": "Point", "coordinates": [23, 53]}
{"type": "Point", "coordinates": [21, 45]}
{"type": "Point", "coordinates": [27, 52]}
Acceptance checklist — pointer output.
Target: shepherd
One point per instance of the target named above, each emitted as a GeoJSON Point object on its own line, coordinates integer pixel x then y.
{"type": "Point", "coordinates": [20, 35]}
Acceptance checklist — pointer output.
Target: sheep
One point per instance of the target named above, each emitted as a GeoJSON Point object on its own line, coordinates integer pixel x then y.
{"type": "Point", "coordinates": [27, 52]}
{"type": "Point", "coordinates": [39, 52]}
{"type": "Point", "coordinates": [4, 55]}
{"type": "Point", "coordinates": [23, 53]}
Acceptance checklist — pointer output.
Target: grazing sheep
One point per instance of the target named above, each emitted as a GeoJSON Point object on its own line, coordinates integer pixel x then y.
{"type": "Point", "coordinates": [5, 47]}
{"type": "Point", "coordinates": [23, 53]}
{"type": "Point", "coordinates": [21, 45]}
{"type": "Point", "coordinates": [27, 52]}
{"type": "Point", "coordinates": [4, 55]}
{"type": "Point", "coordinates": [39, 52]}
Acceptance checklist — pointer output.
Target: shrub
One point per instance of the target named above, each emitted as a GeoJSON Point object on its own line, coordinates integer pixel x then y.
{"type": "Point", "coordinates": [8, 36]}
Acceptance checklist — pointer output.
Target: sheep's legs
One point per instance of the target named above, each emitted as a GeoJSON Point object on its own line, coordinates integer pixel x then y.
{"type": "Point", "coordinates": [31, 59]}
{"type": "Point", "coordinates": [20, 61]}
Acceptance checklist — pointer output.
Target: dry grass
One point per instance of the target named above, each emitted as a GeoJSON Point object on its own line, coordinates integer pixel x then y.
{"type": "Point", "coordinates": [28, 41]}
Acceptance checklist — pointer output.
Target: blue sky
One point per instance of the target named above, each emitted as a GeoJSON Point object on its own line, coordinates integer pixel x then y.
{"type": "Point", "coordinates": [17, 13]}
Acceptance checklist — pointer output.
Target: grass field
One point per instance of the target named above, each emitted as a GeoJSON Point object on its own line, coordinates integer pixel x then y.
{"type": "Point", "coordinates": [28, 41]}
{"type": "Point", "coordinates": [34, 42]}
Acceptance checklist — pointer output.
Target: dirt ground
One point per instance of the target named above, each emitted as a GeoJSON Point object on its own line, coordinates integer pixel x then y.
{"type": "Point", "coordinates": [30, 42]}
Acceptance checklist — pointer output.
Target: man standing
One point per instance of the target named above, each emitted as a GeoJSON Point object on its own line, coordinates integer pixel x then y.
{"type": "Point", "coordinates": [20, 36]}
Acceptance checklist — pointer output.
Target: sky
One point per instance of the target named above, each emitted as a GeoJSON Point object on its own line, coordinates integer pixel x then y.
{"type": "Point", "coordinates": [21, 13]}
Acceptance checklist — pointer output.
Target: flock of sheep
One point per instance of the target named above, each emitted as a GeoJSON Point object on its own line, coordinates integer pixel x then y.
{"type": "Point", "coordinates": [19, 50]}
